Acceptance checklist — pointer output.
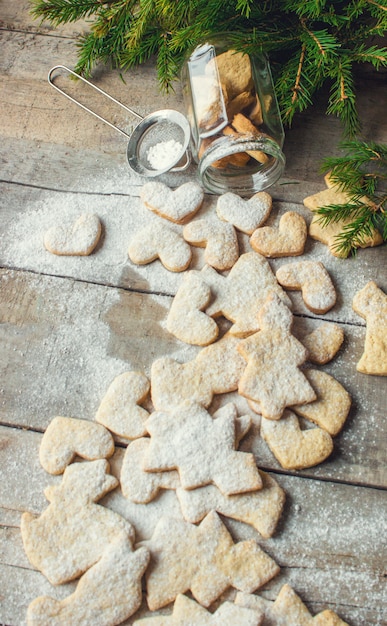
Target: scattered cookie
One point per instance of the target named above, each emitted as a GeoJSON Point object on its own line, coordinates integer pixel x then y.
{"type": "Point", "coordinates": [219, 240]}
{"type": "Point", "coordinates": [77, 239]}
{"type": "Point", "coordinates": [286, 240]}
{"type": "Point", "coordinates": [201, 448]}
{"type": "Point", "coordinates": [187, 612]}
{"type": "Point", "coordinates": [313, 280]}
{"type": "Point", "coordinates": [186, 319]}
{"type": "Point", "coordinates": [287, 610]}
{"type": "Point", "coordinates": [142, 487]}
{"type": "Point", "coordinates": [158, 241]}
{"type": "Point", "coordinates": [67, 437]}
{"type": "Point", "coordinates": [331, 408]}
{"type": "Point", "coordinates": [178, 205]}
{"type": "Point", "coordinates": [261, 509]}
{"type": "Point", "coordinates": [328, 234]}
{"type": "Point", "coordinates": [202, 559]}
{"type": "Point", "coordinates": [216, 369]}
{"type": "Point", "coordinates": [119, 410]}
{"type": "Point", "coordinates": [272, 376]}
{"type": "Point", "coordinates": [108, 593]}
{"type": "Point", "coordinates": [245, 215]}
{"type": "Point", "coordinates": [323, 343]}
{"type": "Point", "coordinates": [371, 304]}
{"type": "Point", "coordinates": [73, 532]}
{"type": "Point", "coordinates": [240, 295]}
{"type": "Point", "coordinates": [294, 448]}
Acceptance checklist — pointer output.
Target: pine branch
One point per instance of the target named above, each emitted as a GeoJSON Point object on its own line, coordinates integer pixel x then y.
{"type": "Point", "coordinates": [310, 42]}
{"type": "Point", "coordinates": [362, 173]}
{"type": "Point", "coordinates": [62, 11]}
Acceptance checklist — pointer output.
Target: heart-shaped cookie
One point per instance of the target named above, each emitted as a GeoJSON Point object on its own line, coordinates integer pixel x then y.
{"type": "Point", "coordinates": [295, 448]}
{"type": "Point", "coordinates": [186, 319]}
{"type": "Point", "coordinates": [76, 239]}
{"type": "Point", "coordinates": [245, 215]}
{"type": "Point", "coordinates": [286, 240]}
{"type": "Point", "coordinates": [177, 205]}
{"type": "Point", "coordinates": [219, 240]}
{"type": "Point", "coordinates": [158, 241]}
{"type": "Point", "coordinates": [119, 410]}
{"type": "Point", "coordinates": [314, 282]}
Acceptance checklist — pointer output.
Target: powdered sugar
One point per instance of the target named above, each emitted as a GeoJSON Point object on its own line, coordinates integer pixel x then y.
{"type": "Point", "coordinates": [164, 154]}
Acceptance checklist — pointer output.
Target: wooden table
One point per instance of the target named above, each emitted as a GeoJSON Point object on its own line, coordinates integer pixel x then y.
{"type": "Point", "coordinates": [69, 326]}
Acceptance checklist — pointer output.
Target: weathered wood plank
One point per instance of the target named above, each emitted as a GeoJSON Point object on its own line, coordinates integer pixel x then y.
{"type": "Point", "coordinates": [328, 542]}
{"type": "Point", "coordinates": [64, 342]}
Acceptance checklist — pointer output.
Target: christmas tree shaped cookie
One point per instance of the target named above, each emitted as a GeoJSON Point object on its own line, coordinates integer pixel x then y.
{"type": "Point", "coordinates": [272, 376]}
{"type": "Point", "coordinates": [202, 559]}
{"type": "Point", "coordinates": [187, 611]}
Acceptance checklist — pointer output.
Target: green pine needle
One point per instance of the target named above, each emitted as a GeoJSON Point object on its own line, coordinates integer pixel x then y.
{"type": "Point", "coordinates": [361, 172]}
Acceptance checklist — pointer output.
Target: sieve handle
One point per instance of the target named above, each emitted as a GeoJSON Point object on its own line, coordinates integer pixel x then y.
{"type": "Point", "coordinates": [63, 67]}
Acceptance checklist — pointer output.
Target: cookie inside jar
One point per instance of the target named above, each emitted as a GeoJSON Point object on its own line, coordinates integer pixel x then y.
{"type": "Point", "coordinates": [237, 133]}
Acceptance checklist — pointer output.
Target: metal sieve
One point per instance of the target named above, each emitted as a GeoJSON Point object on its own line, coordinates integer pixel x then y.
{"type": "Point", "coordinates": [153, 131]}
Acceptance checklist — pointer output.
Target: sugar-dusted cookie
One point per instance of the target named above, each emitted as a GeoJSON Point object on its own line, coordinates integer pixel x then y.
{"type": "Point", "coordinates": [73, 532]}
{"type": "Point", "coordinates": [108, 593]}
{"type": "Point", "coordinates": [202, 559]}
{"type": "Point", "coordinates": [158, 241]}
{"type": "Point", "coordinates": [78, 238]}
{"type": "Point", "coordinates": [331, 408]}
{"type": "Point", "coordinates": [136, 484]}
{"type": "Point", "coordinates": [245, 215]}
{"type": "Point", "coordinates": [216, 369]}
{"type": "Point", "coordinates": [67, 437]}
{"type": "Point", "coordinates": [178, 205]}
{"type": "Point", "coordinates": [295, 448]}
{"type": "Point", "coordinates": [314, 282]}
{"type": "Point", "coordinates": [240, 295]}
{"type": "Point", "coordinates": [219, 240]}
{"type": "Point", "coordinates": [261, 509]}
{"type": "Point", "coordinates": [329, 233]}
{"type": "Point", "coordinates": [287, 610]}
{"type": "Point", "coordinates": [286, 240]}
{"type": "Point", "coordinates": [201, 448]}
{"type": "Point", "coordinates": [140, 486]}
{"type": "Point", "coordinates": [186, 319]}
{"type": "Point", "coordinates": [272, 376]}
{"type": "Point", "coordinates": [371, 304]}
{"type": "Point", "coordinates": [323, 343]}
{"type": "Point", "coordinates": [119, 410]}
{"type": "Point", "coordinates": [187, 612]}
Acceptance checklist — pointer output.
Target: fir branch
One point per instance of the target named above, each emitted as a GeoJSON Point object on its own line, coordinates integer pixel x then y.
{"type": "Point", "coordinates": [62, 11]}
{"type": "Point", "coordinates": [310, 42]}
{"type": "Point", "coordinates": [361, 172]}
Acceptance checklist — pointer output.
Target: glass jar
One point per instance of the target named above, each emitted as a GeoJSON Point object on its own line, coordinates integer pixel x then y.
{"type": "Point", "coordinates": [236, 129]}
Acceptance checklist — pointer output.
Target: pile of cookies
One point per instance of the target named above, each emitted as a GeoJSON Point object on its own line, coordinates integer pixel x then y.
{"type": "Point", "coordinates": [175, 441]}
